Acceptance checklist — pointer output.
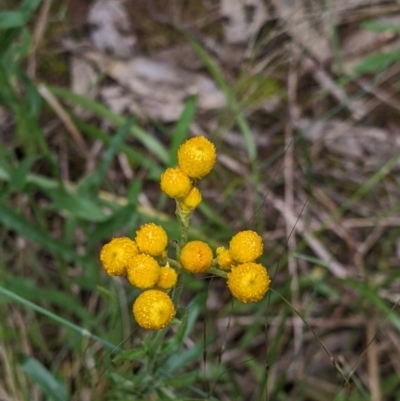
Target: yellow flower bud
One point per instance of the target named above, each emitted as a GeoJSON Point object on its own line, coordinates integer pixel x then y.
{"type": "Point", "coordinates": [151, 239]}
{"type": "Point", "coordinates": [196, 257]}
{"type": "Point", "coordinates": [175, 183]}
{"type": "Point", "coordinates": [224, 258]}
{"type": "Point", "coordinates": [143, 271]}
{"type": "Point", "coordinates": [153, 310]}
{"type": "Point", "coordinates": [246, 246]}
{"type": "Point", "coordinates": [197, 156]}
{"type": "Point", "coordinates": [116, 254]}
{"type": "Point", "coordinates": [167, 278]}
{"type": "Point", "coordinates": [248, 282]}
{"type": "Point", "coordinates": [191, 200]}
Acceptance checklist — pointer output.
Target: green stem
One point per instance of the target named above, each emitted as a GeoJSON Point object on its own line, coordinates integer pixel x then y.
{"type": "Point", "coordinates": [158, 337]}
{"type": "Point", "coordinates": [217, 272]}
{"type": "Point", "coordinates": [154, 349]}
{"type": "Point", "coordinates": [176, 296]}
{"type": "Point", "coordinates": [184, 221]}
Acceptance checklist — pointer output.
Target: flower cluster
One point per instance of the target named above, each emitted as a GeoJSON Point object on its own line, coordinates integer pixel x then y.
{"type": "Point", "coordinates": [248, 281]}
{"type": "Point", "coordinates": [196, 158]}
{"type": "Point", "coordinates": [144, 260]}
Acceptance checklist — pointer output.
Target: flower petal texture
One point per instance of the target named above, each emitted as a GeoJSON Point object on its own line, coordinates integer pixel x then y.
{"type": "Point", "coordinates": [143, 271]}
{"type": "Point", "coordinates": [192, 199]}
{"type": "Point", "coordinates": [224, 258]}
{"type": "Point", "coordinates": [197, 156]}
{"type": "Point", "coordinates": [196, 257]}
{"type": "Point", "coordinates": [116, 254]}
{"type": "Point", "coordinates": [167, 278]}
{"type": "Point", "coordinates": [175, 183]}
{"type": "Point", "coordinates": [151, 239]}
{"type": "Point", "coordinates": [153, 310]}
{"type": "Point", "coordinates": [246, 246]}
{"type": "Point", "coordinates": [248, 282]}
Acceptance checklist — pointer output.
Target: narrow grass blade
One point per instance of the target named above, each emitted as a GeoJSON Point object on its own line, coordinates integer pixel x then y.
{"type": "Point", "coordinates": [30, 291]}
{"type": "Point", "coordinates": [30, 305]}
{"type": "Point", "coordinates": [233, 104]}
{"type": "Point", "coordinates": [372, 296]}
{"type": "Point", "coordinates": [134, 156]}
{"type": "Point", "coordinates": [18, 176]}
{"type": "Point", "coordinates": [50, 386]}
{"type": "Point", "coordinates": [151, 143]}
{"type": "Point", "coordinates": [112, 150]}
{"type": "Point", "coordinates": [11, 219]}
{"type": "Point", "coordinates": [182, 128]}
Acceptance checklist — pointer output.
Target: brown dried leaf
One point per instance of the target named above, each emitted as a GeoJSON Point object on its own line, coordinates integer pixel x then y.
{"type": "Point", "coordinates": [83, 78]}
{"type": "Point", "coordinates": [160, 89]}
{"type": "Point", "coordinates": [110, 28]}
{"type": "Point", "coordinates": [244, 19]}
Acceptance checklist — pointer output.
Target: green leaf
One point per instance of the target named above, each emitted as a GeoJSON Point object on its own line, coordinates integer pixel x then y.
{"type": "Point", "coordinates": [12, 220]}
{"type": "Point", "coordinates": [380, 27]}
{"type": "Point", "coordinates": [18, 52]}
{"type": "Point", "coordinates": [29, 6]}
{"type": "Point", "coordinates": [109, 296]}
{"type": "Point", "coordinates": [118, 220]}
{"type": "Point", "coordinates": [16, 19]}
{"type": "Point", "coordinates": [18, 177]}
{"type": "Point", "coordinates": [196, 305]}
{"type": "Point", "coordinates": [29, 290]}
{"type": "Point", "coordinates": [56, 317]}
{"type": "Point", "coordinates": [134, 156]}
{"type": "Point", "coordinates": [133, 192]}
{"type": "Point", "coordinates": [179, 360]}
{"type": "Point", "coordinates": [27, 130]}
{"type": "Point", "coordinates": [182, 380]}
{"type": "Point", "coordinates": [50, 386]}
{"type": "Point", "coordinates": [12, 19]}
{"type": "Point", "coordinates": [115, 144]}
{"type": "Point", "coordinates": [131, 355]}
{"type": "Point", "coordinates": [76, 205]}
{"type": "Point", "coordinates": [32, 96]}
{"type": "Point", "coordinates": [377, 62]}
{"type": "Point", "coordinates": [7, 39]}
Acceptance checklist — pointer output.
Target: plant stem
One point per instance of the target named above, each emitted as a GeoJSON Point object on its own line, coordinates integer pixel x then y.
{"type": "Point", "coordinates": [158, 337]}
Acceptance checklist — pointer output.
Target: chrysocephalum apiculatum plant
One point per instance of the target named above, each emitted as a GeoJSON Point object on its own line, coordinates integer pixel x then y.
{"type": "Point", "coordinates": [144, 260]}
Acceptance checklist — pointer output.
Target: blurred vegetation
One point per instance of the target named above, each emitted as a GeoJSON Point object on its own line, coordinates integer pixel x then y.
{"type": "Point", "coordinates": [66, 330]}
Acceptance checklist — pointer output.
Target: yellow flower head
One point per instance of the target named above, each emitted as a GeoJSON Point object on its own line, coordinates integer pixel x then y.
{"type": "Point", "coordinates": [197, 156]}
{"type": "Point", "coordinates": [175, 183]}
{"type": "Point", "coordinates": [115, 255]}
{"type": "Point", "coordinates": [224, 258]}
{"type": "Point", "coordinates": [196, 257]}
{"type": "Point", "coordinates": [248, 282]}
{"type": "Point", "coordinates": [151, 239]}
{"type": "Point", "coordinates": [167, 278]}
{"type": "Point", "coordinates": [153, 310]}
{"type": "Point", "coordinates": [246, 246]}
{"type": "Point", "coordinates": [191, 200]}
{"type": "Point", "coordinates": [143, 271]}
